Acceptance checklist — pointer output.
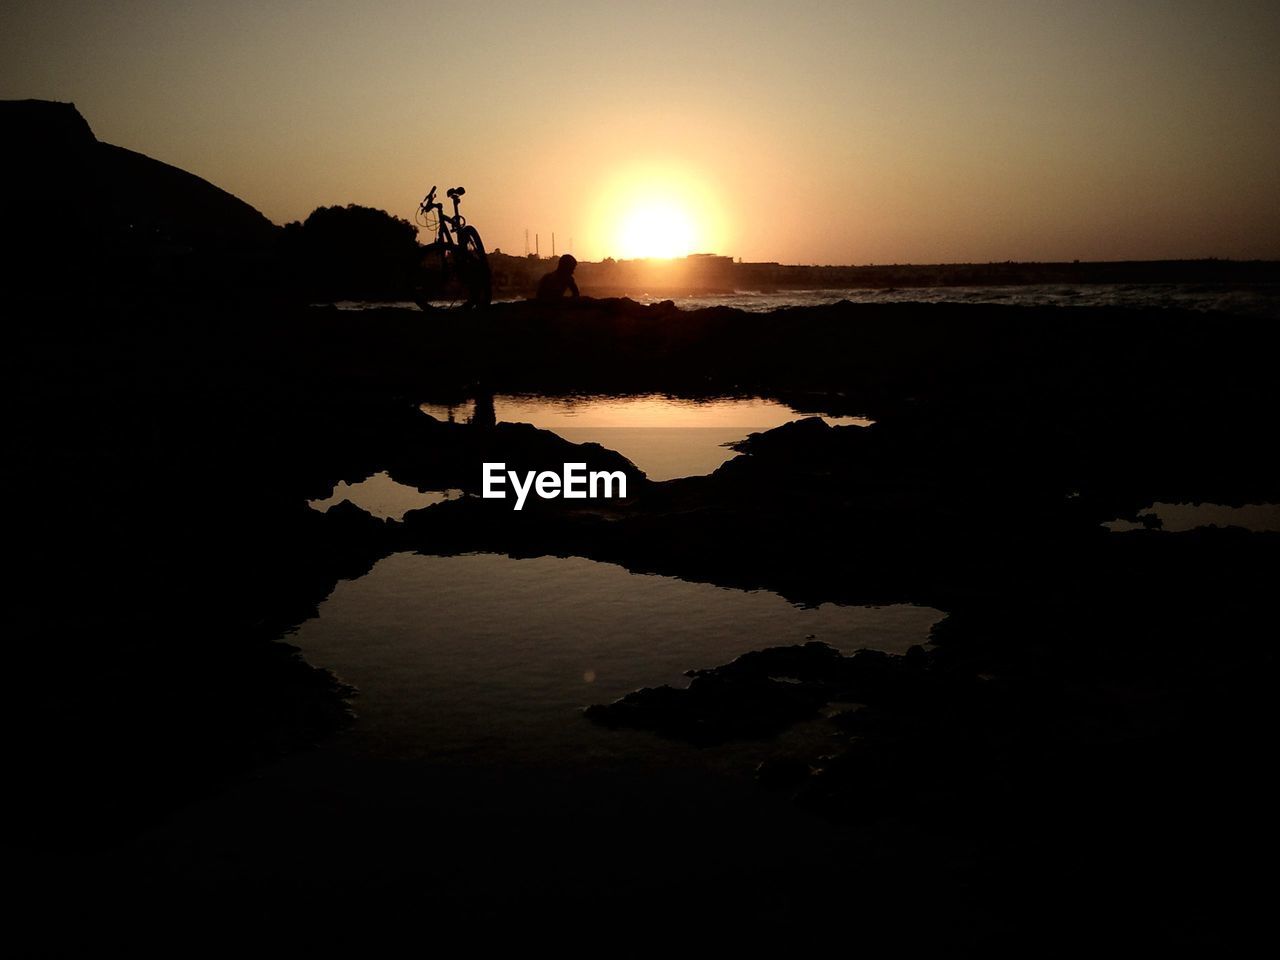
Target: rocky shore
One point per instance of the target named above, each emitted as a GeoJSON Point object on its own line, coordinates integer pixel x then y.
{"type": "Point", "coordinates": [1092, 715]}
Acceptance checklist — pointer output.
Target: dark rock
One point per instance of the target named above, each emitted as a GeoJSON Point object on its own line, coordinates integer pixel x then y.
{"type": "Point", "coordinates": [713, 708]}
{"type": "Point", "coordinates": [782, 772]}
{"type": "Point", "coordinates": [797, 437]}
{"type": "Point", "coordinates": [763, 692]}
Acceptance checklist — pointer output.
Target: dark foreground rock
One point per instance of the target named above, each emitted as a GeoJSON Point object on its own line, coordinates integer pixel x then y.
{"type": "Point", "coordinates": [760, 693]}
{"type": "Point", "coordinates": [1091, 714]}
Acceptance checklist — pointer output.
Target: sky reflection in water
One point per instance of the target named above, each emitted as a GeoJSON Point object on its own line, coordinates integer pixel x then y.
{"type": "Point", "coordinates": [486, 658]}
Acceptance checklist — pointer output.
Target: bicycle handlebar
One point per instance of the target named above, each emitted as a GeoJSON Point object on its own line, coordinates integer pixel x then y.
{"type": "Point", "coordinates": [429, 203]}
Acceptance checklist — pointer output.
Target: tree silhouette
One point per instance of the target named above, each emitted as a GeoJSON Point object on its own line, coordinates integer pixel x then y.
{"type": "Point", "coordinates": [353, 252]}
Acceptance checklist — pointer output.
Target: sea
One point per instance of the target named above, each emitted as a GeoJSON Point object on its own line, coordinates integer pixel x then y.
{"type": "Point", "coordinates": [1251, 300]}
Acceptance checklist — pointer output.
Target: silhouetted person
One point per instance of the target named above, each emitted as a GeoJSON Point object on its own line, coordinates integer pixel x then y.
{"type": "Point", "coordinates": [555, 283]}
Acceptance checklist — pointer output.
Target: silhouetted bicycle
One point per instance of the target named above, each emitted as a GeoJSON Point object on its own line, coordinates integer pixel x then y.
{"type": "Point", "coordinates": [454, 266]}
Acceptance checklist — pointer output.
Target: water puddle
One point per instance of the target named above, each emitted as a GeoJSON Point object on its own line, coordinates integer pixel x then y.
{"type": "Point", "coordinates": [666, 437]}
{"type": "Point", "coordinates": [486, 658]}
{"type": "Point", "coordinates": [383, 497]}
{"type": "Point", "coordinates": [1181, 517]}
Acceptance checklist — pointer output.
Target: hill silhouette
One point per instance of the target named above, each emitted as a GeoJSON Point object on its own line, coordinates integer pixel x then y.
{"type": "Point", "coordinates": [77, 209]}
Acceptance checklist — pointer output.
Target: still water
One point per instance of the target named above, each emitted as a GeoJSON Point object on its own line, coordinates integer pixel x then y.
{"type": "Point", "coordinates": [664, 436]}
{"type": "Point", "coordinates": [1181, 517]}
{"type": "Point", "coordinates": [490, 659]}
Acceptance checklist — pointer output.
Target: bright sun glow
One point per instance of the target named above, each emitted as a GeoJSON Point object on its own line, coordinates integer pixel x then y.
{"type": "Point", "coordinates": [656, 210]}
{"type": "Point", "coordinates": [655, 229]}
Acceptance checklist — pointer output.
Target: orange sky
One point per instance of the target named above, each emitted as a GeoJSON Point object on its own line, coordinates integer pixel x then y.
{"type": "Point", "coordinates": [807, 132]}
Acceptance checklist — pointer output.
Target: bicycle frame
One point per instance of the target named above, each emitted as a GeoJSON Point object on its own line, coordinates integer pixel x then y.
{"type": "Point", "coordinates": [448, 227]}
{"type": "Point", "coordinates": [459, 247]}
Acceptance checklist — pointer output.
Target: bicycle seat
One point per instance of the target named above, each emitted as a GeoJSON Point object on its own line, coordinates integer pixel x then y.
{"type": "Point", "coordinates": [456, 191]}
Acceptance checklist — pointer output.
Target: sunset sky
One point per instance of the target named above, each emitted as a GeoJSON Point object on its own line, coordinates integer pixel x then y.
{"type": "Point", "coordinates": [857, 131]}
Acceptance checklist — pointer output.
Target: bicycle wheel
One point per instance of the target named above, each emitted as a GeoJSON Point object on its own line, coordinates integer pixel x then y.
{"type": "Point", "coordinates": [474, 270]}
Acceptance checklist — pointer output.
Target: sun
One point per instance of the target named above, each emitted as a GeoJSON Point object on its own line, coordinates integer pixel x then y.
{"type": "Point", "coordinates": [655, 229]}
{"type": "Point", "coordinates": [656, 210]}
